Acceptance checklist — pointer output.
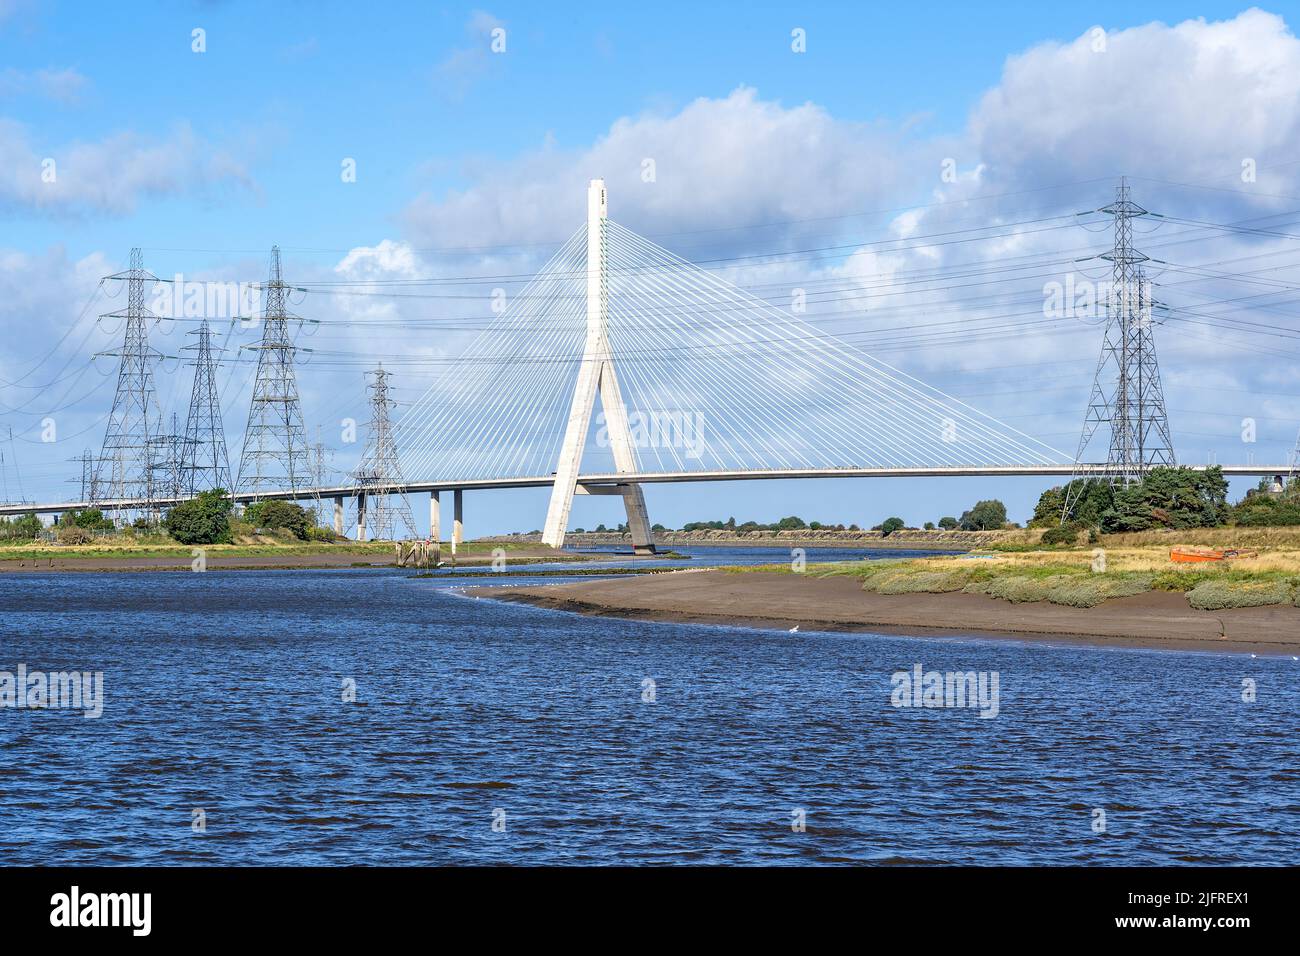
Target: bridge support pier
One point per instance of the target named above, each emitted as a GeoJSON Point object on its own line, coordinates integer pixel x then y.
{"type": "Point", "coordinates": [338, 515]}
{"type": "Point", "coordinates": [457, 519]}
{"type": "Point", "coordinates": [361, 516]}
{"type": "Point", "coordinates": [435, 516]}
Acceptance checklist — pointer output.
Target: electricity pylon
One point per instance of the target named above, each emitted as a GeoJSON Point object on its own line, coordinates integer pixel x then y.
{"type": "Point", "coordinates": [380, 468]}
{"type": "Point", "coordinates": [206, 465]}
{"type": "Point", "coordinates": [1126, 391]}
{"type": "Point", "coordinates": [275, 441]}
{"type": "Point", "coordinates": [167, 456]}
{"type": "Point", "coordinates": [123, 467]}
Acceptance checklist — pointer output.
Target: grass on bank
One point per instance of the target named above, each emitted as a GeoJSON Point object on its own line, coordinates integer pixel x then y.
{"type": "Point", "coordinates": [1065, 576]}
{"type": "Point", "coordinates": [159, 546]}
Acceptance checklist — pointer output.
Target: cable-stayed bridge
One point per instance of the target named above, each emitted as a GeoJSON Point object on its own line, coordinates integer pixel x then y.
{"type": "Point", "coordinates": [621, 364]}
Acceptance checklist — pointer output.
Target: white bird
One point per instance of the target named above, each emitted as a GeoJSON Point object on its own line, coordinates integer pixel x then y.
{"type": "Point", "coordinates": [793, 629]}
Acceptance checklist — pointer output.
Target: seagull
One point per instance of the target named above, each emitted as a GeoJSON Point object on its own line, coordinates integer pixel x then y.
{"type": "Point", "coordinates": [793, 629]}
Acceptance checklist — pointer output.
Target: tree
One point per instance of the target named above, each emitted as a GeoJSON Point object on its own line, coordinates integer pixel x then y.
{"type": "Point", "coordinates": [985, 516]}
{"type": "Point", "coordinates": [275, 514]}
{"type": "Point", "coordinates": [929, 526]}
{"type": "Point", "coordinates": [204, 519]}
{"type": "Point", "coordinates": [1170, 498]}
{"type": "Point", "coordinates": [890, 525]}
{"type": "Point", "coordinates": [1090, 499]}
{"type": "Point", "coordinates": [23, 528]}
{"type": "Point", "coordinates": [792, 523]}
{"type": "Point", "coordinates": [947, 523]}
{"type": "Point", "coordinates": [91, 519]}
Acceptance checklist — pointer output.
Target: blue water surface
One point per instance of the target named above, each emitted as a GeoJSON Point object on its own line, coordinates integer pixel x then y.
{"type": "Point", "coordinates": [224, 692]}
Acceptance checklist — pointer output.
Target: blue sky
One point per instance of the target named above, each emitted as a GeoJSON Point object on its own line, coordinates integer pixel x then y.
{"type": "Point", "coordinates": [206, 159]}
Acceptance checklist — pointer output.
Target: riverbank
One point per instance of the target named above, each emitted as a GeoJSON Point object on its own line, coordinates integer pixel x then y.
{"type": "Point", "coordinates": [305, 556]}
{"type": "Point", "coordinates": [773, 599]}
{"type": "Point", "coordinates": [903, 540]}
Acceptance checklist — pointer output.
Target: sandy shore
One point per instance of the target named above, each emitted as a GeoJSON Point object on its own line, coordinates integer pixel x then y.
{"type": "Point", "coordinates": [772, 600]}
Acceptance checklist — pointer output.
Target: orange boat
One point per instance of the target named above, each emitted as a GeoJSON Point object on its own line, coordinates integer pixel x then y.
{"type": "Point", "coordinates": [1185, 555]}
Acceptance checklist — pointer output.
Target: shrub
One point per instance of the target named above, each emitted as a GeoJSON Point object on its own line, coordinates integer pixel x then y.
{"type": "Point", "coordinates": [1067, 533]}
{"type": "Point", "coordinates": [204, 519]}
{"type": "Point", "coordinates": [947, 523]}
{"type": "Point", "coordinates": [1216, 595]}
{"type": "Point", "coordinates": [1073, 590]}
{"type": "Point", "coordinates": [73, 534]}
{"type": "Point", "coordinates": [276, 514]}
{"type": "Point", "coordinates": [890, 525]}
{"type": "Point", "coordinates": [920, 582]}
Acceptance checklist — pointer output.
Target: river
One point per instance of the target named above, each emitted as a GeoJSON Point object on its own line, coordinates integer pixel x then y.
{"type": "Point", "coordinates": [486, 732]}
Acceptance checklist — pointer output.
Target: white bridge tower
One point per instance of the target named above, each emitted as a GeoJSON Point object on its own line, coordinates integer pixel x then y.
{"type": "Point", "coordinates": [596, 375]}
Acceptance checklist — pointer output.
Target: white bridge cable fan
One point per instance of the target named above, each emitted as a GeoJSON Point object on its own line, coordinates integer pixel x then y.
{"type": "Point", "coordinates": [712, 377]}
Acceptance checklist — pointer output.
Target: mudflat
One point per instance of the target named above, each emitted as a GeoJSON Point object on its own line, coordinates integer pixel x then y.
{"type": "Point", "coordinates": [1157, 619]}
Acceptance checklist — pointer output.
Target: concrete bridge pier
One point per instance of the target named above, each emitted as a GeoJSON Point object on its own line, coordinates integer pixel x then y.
{"type": "Point", "coordinates": [361, 516]}
{"type": "Point", "coordinates": [435, 516]}
{"type": "Point", "coordinates": [457, 519]}
{"type": "Point", "coordinates": [338, 515]}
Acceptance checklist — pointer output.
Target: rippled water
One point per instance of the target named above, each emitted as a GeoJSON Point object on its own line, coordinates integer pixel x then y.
{"type": "Point", "coordinates": [223, 693]}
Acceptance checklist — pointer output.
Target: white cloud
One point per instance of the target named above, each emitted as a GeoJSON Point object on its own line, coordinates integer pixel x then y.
{"type": "Point", "coordinates": [464, 66]}
{"type": "Point", "coordinates": [111, 175]}
{"type": "Point", "coordinates": [63, 86]}
{"type": "Point", "coordinates": [728, 161]}
{"type": "Point", "coordinates": [1189, 102]}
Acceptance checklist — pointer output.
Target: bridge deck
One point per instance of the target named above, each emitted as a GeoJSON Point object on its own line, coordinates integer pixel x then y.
{"type": "Point", "coordinates": [348, 491]}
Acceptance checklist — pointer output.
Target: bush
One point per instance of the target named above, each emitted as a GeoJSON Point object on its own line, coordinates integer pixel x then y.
{"type": "Point", "coordinates": [917, 582]}
{"type": "Point", "coordinates": [947, 523]}
{"type": "Point", "coordinates": [1266, 511]}
{"type": "Point", "coordinates": [204, 519]}
{"type": "Point", "coordinates": [276, 514]}
{"type": "Point", "coordinates": [74, 534]}
{"type": "Point", "coordinates": [1067, 533]}
{"type": "Point", "coordinates": [890, 525]}
{"type": "Point", "coordinates": [1073, 590]}
{"type": "Point", "coordinates": [1216, 595]}
{"type": "Point", "coordinates": [317, 533]}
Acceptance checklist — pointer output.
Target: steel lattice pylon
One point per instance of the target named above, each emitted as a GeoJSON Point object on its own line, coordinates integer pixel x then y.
{"type": "Point", "coordinates": [1126, 392]}
{"type": "Point", "coordinates": [206, 465]}
{"type": "Point", "coordinates": [275, 441]}
{"type": "Point", "coordinates": [380, 469]}
{"type": "Point", "coordinates": [123, 468]}
{"type": "Point", "coordinates": [167, 457]}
